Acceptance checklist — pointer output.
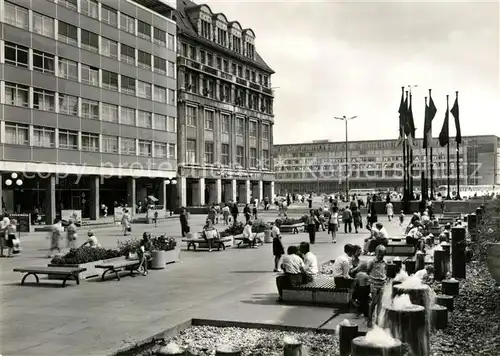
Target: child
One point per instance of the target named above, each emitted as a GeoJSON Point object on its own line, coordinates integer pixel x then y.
{"type": "Point", "coordinates": [333, 224]}
{"type": "Point", "coordinates": [361, 295]}
{"type": "Point", "coordinates": [278, 249]}
{"type": "Point", "coordinates": [401, 218]}
{"type": "Point", "coordinates": [376, 271]}
{"type": "Point", "coordinates": [155, 219]}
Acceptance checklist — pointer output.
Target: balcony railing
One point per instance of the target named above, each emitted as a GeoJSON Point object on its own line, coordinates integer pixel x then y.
{"type": "Point", "coordinates": [210, 70]}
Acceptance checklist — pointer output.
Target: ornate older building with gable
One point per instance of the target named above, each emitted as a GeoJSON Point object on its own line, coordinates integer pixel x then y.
{"type": "Point", "coordinates": [225, 110]}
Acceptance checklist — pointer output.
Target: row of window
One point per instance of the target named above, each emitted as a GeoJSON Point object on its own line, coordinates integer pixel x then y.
{"type": "Point", "coordinates": [254, 161]}
{"type": "Point", "coordinates": [362, 174]}
{"type": "Point", "coordinates": [208, 117]}
{"type": "Point", "coordinates": [67, 33]}
{"type": "Point", "coordinates": [18, 134]}
{"type": "Point", "coordinates": [24, 57]}
{"type": "Point", "coordinates": [225, 39]}
{"type": "Point", "coordinates": [212, 60]}
{"type": "Point", "coordinates": [42, 99]}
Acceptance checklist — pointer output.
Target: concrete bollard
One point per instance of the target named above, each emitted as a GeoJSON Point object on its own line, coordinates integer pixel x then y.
{"type": "Point", "coordinates": [445, 301]}
{"type": "Point", "coordinates": [347, 333]}
{"type": "Point", "coordinates": [458, 256]}
{"type": "Point", "coordinates": [292, 348]}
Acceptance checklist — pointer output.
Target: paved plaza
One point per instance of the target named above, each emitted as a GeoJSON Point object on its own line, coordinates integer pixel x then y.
{"type": "Point", "coordinates": [97, 318]}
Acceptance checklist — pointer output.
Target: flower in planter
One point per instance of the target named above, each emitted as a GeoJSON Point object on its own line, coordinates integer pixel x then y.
{"type": "Point", "coordinates": [85, 255]}
{"type": "Point", "coordinates": [163, 243]}
{"type": "Point", "coordinates": [128, 246]}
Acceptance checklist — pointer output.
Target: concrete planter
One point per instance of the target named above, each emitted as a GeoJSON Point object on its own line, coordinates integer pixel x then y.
{"type": "Point", "coordinates": [91, 271]}
{"type": "Point", "coordinates": [159, 259]}
{"type": "Point", "coordinates": [493, 259]}
{"type": "Point", "coordinates": [267, 237]}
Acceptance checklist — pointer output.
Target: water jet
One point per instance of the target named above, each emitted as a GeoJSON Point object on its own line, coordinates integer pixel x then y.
{"type": "Point", "coordinates": [377, 342]}
{"type": "Point", "coordinates": [171, 350]}
{"type": "Point", "coordinates": [228, 351]}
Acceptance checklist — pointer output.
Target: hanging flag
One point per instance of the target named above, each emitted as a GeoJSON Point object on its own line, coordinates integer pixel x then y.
{"type": "Point", "coordinates": [410, 125]}
{"type": "Point", "coordinates": [431, 113]}
{"type": "Point", "coordinates": [455, 112]}
{"type": "Point", "coordinates": [427, 126]}
{"type": "Point", "coordinates": [444, 135]}
{"type": "Point", "coordinates": [402, 118]}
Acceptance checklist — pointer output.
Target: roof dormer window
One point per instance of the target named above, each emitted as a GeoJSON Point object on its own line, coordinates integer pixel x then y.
{"type": "Point", "coordinates": [236, 44]}
{"type": "Point", "coordinates": [250, 50]}
{"type": "Point", "coordinates": [221, 37]}
{"type": "Point", "coordinates": [206, 29]}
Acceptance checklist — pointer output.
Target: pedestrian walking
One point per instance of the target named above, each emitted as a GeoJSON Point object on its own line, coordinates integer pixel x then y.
{"type": "Point", "coordinates": [71, 234]}
{"type": "Point", "coordinates": [357, 218]}
{"type": "Point", "coordinates": [184, 219]}
{"type": "Point", "coordinates": [312, 220]}
{"type": "Point", "coordinates": [3, 233]}
{"type": "Point", "coordinates": [389, 208]}
{"type": "Point", "coordinates": [347, 219]}
{"type": "Point", "coordinates": [333, 224]}
{"type": "Point", "coordinates": [126, 223]}
{"type": "Point", "coordinates": [55, 237]}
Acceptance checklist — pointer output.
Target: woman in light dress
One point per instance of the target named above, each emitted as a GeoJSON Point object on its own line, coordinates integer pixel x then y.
{"type": "Point", "coordinates": [125, 222]}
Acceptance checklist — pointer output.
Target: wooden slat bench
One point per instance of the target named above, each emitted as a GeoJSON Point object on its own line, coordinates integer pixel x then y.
{"type": "Point", "coordinates": [245, 241]}
{"type": "Point", "coordinates": [294, 229]}
{"type": "Point", "coordinates": [66, 272]}
{"type": "Point", "coordinates": [119, 264]}
{"type": "Point", "coordinates": [320, 291]}
{"type": "Point", "coordinates": [399, 249]}
{"type": "Point", "coordinates": [202, 243]}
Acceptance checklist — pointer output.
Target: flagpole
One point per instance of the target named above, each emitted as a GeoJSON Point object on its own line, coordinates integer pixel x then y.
{"type": "Point", "coordinates": [448, 196]}
{"type": "Point", "coordinates": [425, 190]}
{"type": "Point", "coordinates": [432, 158]}
{"type": "Point", "coordinates": [458, 162]}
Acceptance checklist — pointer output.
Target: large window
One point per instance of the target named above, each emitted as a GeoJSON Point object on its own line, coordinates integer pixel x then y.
{"type": "Point", "coordinates": [127, 116]}
{"type": "Point", "coordinates": [109, 15]}
{"type": "Point", "coordinates": [143, 90]}
{"type": "Point", "coordinates": [240, 126]}
{"type": "Point", "coordinates": [89, 8]}
{"type": "Point", "coordinates": [171, 42]}
{"type": "Point", "coordinates": [43, 62]}
{"type": "Point", "coordinates": [127, 54]}
{"type": "Point", "coordinates": [43, 25]}
{"type": "Point", "coordinates": [128, 85]}
{"type": "Point", "coordinates": [161, 150]}
{"type": "Point", "coordinates": [253, 157]}
{"type": "Point", "coordinates": [68, 104]}
{"type": "Point", "coordinates": [90, 75]}
{"type": "Point", "coordinates": [16, 55]}
{"type": "Point", "coordinates": [265, 131]}
{"type": "Point", "coordinates": [160, 65]}
{"type": "Point", "coordinates": [191, 116]}
{"type": "Point", "coordinates": [109, 112]}
{"type": "Point", "coordinates": [144, 59]}
{"type": "Point", "coordinates": [70, 4]}
{"type": "Point", "coordinates": [16, 94]}
{"type": "Point", "coordinates": [109, 80]}
{"type": "Point", "coordinates": [43, 99]}
{"type": "Point", "coordinates": [191, 152]}
{"type": "Point", "coordinates": [127, 23]}
{"type": "Point", "coordinates": [90, 142]}
{"type": "Point", "coordinates": [90, 109]}
{"type": "Point", "coordinates": [68, 69]}
{"type": "Point", "coordinates": [160, 122]}
{"type": "Point", "coordinates": [127, 146]}
{"type": "Point", "coordinates": [172, 124]}
{"type": "Point", "coordinates": [240, 156]}
{"type": "Point", "coordinates": [109, 144]}
{"type": "Point", "coordinates": [144, 119]}
{"type": "Point", "coordinates": [43, 137]}
{"type": "Point", "coordinates": [225, 154]}
{"type": "Point", "coordinates": [160, 94]}
{"type": "Point", "coordinates": [109, 48]}
{"type": "Point", "coordinates": [224, 123]}
{"type": "Point", "coordinates": [253, 129]}
{"type": "Point", "coordinates": [16, 15]}
{"type": "Point", "coordinates": [171, 97]}
{"type": "Point", "coordinates": [160, 36]}
{"type": "Point", "coordinates": [209, 152]}
{"type": "Point", "coordinates": [145, 148]}
{"type": "Point", "coordinates": [171, 69]}
{"type": "Point", "coordinates": [68, 139]}
{"type": "Point", "coordinates": [265, 159]}
{"type": "Point", "coordinates": [209, 120]}
{"type": "Point", "coordinates": [144, 30]}
{"type": "Point", "coordinates": [67, 33]}
{"type": "Point", "coordinates": [90, 41]}
{"type": "Point", "coordinates": [16, 134]}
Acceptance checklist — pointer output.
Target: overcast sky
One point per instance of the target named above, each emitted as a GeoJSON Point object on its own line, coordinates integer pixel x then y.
{"type": "Point", "coordinates": [351, 58]}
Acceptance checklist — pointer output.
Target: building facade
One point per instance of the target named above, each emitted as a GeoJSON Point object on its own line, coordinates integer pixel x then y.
{"type": "Point", "coordinates": [87, 104]}
{"type": "Point", "coordinates": [225, 110]}
{"type": "Point", "coordinates": [321, 166]}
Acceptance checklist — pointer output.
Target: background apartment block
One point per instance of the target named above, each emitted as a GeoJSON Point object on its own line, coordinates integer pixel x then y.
{"type": "Point", "coordinates": [87, 88]}
{"type": "Point", "coordinates": [225, 110]}
{"type": "Point", "coordinates": [320, 166]}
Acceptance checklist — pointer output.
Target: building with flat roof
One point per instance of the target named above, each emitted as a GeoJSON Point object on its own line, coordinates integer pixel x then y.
{"type": "Point", "coordinates": [225, 110]}
{"type": "Point", "coordinates": [321, 166]}
{"type": "Point", "coordinates": [88, 110]}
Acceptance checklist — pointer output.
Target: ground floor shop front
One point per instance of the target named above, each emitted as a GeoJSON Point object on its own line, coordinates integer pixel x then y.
{"type": "Point", "coordinates": [48, 195]}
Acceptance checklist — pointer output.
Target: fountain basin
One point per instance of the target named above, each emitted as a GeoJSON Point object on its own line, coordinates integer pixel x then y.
{"type": "Point", "coordinates": [360, 347]}
{"type": "Point", "coordinates": [419, 295]}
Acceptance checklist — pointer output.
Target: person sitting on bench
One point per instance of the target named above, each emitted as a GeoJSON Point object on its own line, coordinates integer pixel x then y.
{"type": "Point", "coordinates": [310, 262]}
{"type": "Point", "coordinates": [210, 233]}
{"type": "Point", "coordinates": [293, 271]}
{"type": "Point", "coordinates": [415, 234]}
{"type": "Point", "coordinates": [379, 236]}
{"type": "Point", "coordinates": [249, 235]}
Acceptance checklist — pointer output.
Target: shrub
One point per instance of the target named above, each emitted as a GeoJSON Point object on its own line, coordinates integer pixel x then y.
{"type": "Point", "coordinates": [163, 243]}
{"type": "Point", "coordinates": [235, 229]}
{"type": "Point", "coordinates": [260, 226]}
{"type": "Point", "coordinates": [128, 246]}
{"type": "Point", "coordinates": [85, 255]}
{"type": "Point", "coordinates": [488, 230]}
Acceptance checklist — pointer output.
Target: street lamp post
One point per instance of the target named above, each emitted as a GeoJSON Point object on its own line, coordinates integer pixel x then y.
{"type": "Point", "coordinates": [346, 119]}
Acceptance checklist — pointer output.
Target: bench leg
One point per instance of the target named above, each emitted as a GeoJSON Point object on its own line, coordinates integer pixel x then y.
{"type": "Point", "coordinates": [30, 274]}
{"type": "Point", "coordinates": [239, 244]}
{"type": "Point", "coordinates": [71, 276]}
{"type": "Point", "coordinates": [223, 246]}
{"type": "Point", "coordinates": [110, 270]}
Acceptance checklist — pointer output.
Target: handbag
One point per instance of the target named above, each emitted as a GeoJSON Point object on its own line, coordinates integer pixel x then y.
{"type": "Point", "coordinates": [129, 228]}
{"type": "Point", "coordinates": [132, 256]}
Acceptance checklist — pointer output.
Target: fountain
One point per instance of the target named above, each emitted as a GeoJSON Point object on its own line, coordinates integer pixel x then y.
{"type": "Point", "coordinates": [450, 287]}
{"type": "Point", "coordinates": [439, 317]}
{"type": "Point", "coordinates": [445, 301]}
{"type": "Point", "coordinates": [226, 350]}
{"type": "Point", "coordinates": [377, 342]}
{"type": "Point", "coordinates": [171, 350]}
{"type": "Point", "coordinates": [419, 261]}
{"type": "Point", "coordinates": [408, 322]}
{"type": "Point", "coordinates": [440, 263]}
{"type": "Point", "coordinates": [347, 331]}
{"type": "Point", "coordinates": [397, 262]}
{"type": "Point", "coordinates": [420, 294]}
{"type": "Point", "coordinates": [292, 347]}
{"type": "Point", "coordinates": [391, 270]}
{"type": "Point", "coordinates": [410, 266]}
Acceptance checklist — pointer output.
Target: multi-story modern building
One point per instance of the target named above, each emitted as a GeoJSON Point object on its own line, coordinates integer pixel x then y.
{"type": "Point", "coordinates": [87, 103]}
{"type": "Point", "coordinates": [225, 110]}
{"type": "Point", "coordinates": [320, 166]}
